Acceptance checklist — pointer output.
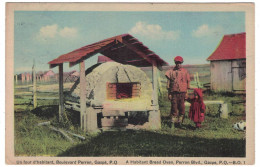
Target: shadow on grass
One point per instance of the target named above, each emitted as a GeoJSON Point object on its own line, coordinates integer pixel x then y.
{"type": "Point", "coordinates": [46, 111]}
{"type": "Point", "coordinates": [149, 144]}
{"type": "Point", "coordinates": [52, 111]}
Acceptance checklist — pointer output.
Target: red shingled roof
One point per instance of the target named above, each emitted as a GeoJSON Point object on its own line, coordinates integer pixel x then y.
{"type": "Point", "coordinates": [231, 47]}
{"type": "Point", "coordinates": [123, 48]}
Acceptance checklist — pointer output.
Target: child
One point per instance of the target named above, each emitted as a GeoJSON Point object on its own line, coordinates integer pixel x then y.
{"type": "Point", "coordinates": [197, 107]}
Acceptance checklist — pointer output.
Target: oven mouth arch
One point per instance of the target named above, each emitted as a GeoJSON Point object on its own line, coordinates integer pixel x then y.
{"type": "Point", "coordinates": [125, 90]}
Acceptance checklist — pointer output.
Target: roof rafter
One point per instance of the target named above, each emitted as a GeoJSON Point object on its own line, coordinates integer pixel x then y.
{"type": "Point", "coordinates": [132, 50]}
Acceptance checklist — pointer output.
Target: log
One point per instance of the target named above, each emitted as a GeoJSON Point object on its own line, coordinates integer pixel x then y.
{"type": "Point", "coordinates": [44, 123]}
{"type": "Point", "coordinates": [73, 134]}
{"type": "Point", "coordinates": [223, 107]}
{"type": "Point", "coordinates": [208, 102]}
{"type": "Point", "coordinates": [23, 86]}
{"type": "Point", "coordinates": [62, 132]}
{"type": "Point", "coordinates": [24, 93]}
{"type": "Point", "coordinates": [46, 98]}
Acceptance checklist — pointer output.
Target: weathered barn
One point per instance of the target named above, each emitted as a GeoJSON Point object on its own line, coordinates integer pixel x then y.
{"type": "Point", "coordinates": [112, 89]}
{"type": "Point", "coordinates": [228, 64]}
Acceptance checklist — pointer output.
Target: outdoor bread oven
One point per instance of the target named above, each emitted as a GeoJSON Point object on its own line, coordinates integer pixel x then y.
{"type": "Point", "coordinates": [116, 95]}
{"type": "Point", "coordinates": [113, 94]}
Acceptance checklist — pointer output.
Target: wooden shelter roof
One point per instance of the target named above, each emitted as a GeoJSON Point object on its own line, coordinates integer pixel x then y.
{"type": "Point", "coordinates": [124, 49]}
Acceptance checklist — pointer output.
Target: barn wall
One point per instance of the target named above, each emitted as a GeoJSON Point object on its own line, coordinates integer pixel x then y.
{"type": "Point", "coordinates": [228, 75]}
{"type": "Point", "coordinates": [239, 74]}
{"type": "Point", "coordinates": [221, 75]}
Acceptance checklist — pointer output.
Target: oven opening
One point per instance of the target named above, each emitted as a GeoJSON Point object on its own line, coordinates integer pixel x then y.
{"type": "Point", "coordinates": [123, 90]}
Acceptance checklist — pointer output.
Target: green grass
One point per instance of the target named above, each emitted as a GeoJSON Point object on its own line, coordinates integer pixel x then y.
{"type": "Point", "coordinates": [216, 138]}
{"type": "Point", "coordinates": [33, 140]}
{"type": "Point", "coordinates": [161, 144]}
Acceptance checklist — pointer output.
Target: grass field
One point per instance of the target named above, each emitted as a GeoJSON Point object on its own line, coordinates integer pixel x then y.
{"type": "Point", "coordinates": [216, 138]}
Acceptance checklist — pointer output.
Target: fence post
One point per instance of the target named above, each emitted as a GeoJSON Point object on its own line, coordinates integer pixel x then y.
{"type": "Point", "coordinates": [195, 78]}
{"type": "Point", "coordinates": [198, 80]}
{"type": "Point", "coordinates": [34, 88]}
{"type": "Point", "coordinates": [61, 101]}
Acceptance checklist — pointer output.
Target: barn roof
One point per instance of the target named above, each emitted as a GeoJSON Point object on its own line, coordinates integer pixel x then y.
{"type": "Point", "coordinates": [124, 49]}
{"type": "Point", "coordinates": [231, 47]}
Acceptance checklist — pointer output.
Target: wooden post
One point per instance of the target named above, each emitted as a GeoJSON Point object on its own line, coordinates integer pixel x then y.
{"type": "Point", "coordinates": [154, 115]}
{"type": "Point", "coordinates": [155, 84]}
{"type": "Point", "coordinates": [61, 100]}
{"type": "Point", "coordinates": [34, 88]}
{"type": "Point", "coordinates": [198, 80]}
{"type": "Point", "coordinates": [195, 79]}
{"type": "Point", "coordinates": [83, 114]}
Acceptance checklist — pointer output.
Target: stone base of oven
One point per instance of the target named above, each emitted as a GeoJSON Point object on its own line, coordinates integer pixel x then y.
{"type": "Point", "coordinates": [121, 122]}
{"type": "Point", "coordinates": [100, 120]}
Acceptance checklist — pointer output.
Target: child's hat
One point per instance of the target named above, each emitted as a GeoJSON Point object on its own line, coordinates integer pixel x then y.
{"type": "Point", "coordinates": [199, 92]}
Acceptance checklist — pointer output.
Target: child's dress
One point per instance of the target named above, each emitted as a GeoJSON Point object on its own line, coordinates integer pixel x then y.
{"type": "Point", "coordinates": [197, 108]}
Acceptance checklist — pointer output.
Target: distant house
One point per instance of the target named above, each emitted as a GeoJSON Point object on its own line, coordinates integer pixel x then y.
{"type": "Point", "coordinates": [26, 76]}
{"type": "Point", "coordinates": [228, 64]}
{"type": "Point", "coordinates": [39, 75]}
{"type": "Point", "coordinates": [47, 75]}
{"type": "Point", "coordinates": [70, 76]}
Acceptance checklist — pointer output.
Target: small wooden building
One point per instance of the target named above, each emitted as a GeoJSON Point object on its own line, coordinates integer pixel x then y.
{"type": "Point", "coordinates": [228, 64]}
{"type": "Point", "coordinates": [47, 75]}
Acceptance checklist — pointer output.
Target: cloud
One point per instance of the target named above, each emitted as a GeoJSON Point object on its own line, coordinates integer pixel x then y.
{"type": "Point", "coordinates": [53, 31]}
{"type": "Point", "coordinates": [67, 32]}
{"type": "Point", "coordinates": [49, 31]}
{"type": "Point", "coordinates": [204, 31]}
{"type": "Point", "coordinates": [153, 31]}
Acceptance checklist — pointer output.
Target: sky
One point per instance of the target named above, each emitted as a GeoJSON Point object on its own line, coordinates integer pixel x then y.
{"type": "Point", "coordinates": [42, 36]}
